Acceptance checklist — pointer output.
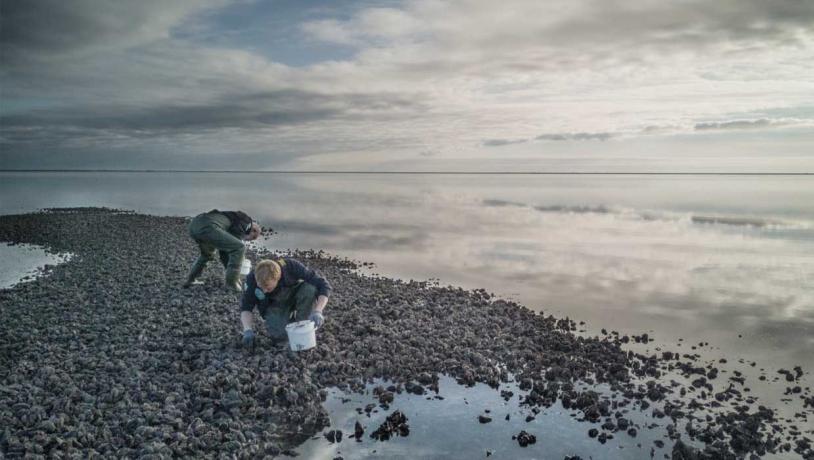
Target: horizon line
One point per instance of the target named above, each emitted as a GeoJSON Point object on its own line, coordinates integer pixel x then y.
{"type": "Point", "coordinates": [531, 173]}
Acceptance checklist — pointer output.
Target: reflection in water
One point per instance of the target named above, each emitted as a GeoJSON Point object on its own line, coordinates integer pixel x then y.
{"type": "Point", "coordinates": [724, 259]}
{"type": "Point", "coordinates": [449, 428]}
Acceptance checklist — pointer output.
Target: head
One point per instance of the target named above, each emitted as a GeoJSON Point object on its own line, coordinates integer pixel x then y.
{"type": "Point", "coordinates": [254, 232]}
{"type": "Point", "coordinates": [267, 273]}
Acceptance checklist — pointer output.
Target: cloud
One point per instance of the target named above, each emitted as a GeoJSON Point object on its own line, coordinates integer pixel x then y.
{"type": "Point", "coordinates": [386, 82]}
{"type": "Point", "coordinates": [502, 142]}
{"type": "Point", "coordinates": [741, 124]}
{"type": "Point", "coordinates": [49, 29]}
{"type": "Point", "coordinates": [695, 23]}
{"type": "Point", "coordinates": [538, 36]}
{"type": "Point", "coordinates": [273, 108]}
{"type": "Point", "coordinates": [369, 25]}
{"type": "Point", "coordinates": [498, 203]}
{"type": "Point", "coordinates": [330, 30]}
{"type": "Point", "coordinates": [574, 137]}
{"type": "Point", "coordinates": [551, 137]}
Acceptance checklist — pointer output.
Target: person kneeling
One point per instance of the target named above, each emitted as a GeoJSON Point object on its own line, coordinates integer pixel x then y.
{"type": "Point", "coordinates": [284, 291]}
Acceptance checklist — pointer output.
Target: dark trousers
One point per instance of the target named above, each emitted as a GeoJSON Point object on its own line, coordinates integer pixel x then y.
{"type": "Point", "coordinates": [291, 304]}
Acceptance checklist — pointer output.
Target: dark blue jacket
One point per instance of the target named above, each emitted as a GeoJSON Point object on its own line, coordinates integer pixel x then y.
{"type": "Point", "coordinates": [293, 271]}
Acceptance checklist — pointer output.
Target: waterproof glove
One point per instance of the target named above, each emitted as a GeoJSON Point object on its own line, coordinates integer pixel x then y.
{"type": "Point", "coordinates": [317, 318]}
{"type": "Point", "coordinates": [248, 338]}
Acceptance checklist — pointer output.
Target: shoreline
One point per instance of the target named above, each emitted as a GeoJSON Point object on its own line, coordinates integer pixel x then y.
{"type": "Point", "coordinates": [22, 262]}
{"type": "Point", "coordinates": [123, 336]}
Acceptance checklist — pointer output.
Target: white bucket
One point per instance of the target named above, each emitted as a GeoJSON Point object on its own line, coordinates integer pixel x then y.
{"type": "Point", "coordinates": [301, 335]}
{"type": "Point", "coordinates": [245, 267]}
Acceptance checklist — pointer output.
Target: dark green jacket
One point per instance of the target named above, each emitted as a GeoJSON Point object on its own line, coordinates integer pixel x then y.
{"type": "Point", "coordinates": [240, 223]}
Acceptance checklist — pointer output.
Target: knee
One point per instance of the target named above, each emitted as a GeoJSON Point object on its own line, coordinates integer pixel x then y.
{"type": "Point", "coordinates": [307, 292]}
{"type": "Point", "coordinates": [276, 332]}
{"type": "Point", "coordinates": [236, 251]}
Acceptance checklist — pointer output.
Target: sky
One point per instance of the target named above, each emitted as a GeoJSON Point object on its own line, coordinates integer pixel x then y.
{"type": "Point", "coordinates": [407, 85]}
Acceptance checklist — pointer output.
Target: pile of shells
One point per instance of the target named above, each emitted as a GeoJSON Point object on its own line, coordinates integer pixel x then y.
{"type": "Point", "coordinates": [108, 355]}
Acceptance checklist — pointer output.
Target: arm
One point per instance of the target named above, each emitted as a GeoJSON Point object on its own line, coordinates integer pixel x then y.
{"type": "Point", "coordinates": [299, 271]}
{"type": "Point", "coordinates": [246, 320]}
{"type": "Point", "coordinates": [254, 232]}
{"type": "Point", "coordinates": [319, 303]}
{"type": "Point", "coordinates": [248, 302]}
{"type": "Point", "coordinates": [240, 223]}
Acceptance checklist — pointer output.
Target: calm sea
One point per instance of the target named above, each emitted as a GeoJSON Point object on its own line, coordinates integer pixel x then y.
{"type": "Point", "coordinates": [727, 260]}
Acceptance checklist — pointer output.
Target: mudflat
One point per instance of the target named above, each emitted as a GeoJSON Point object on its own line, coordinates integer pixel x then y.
{"type": "Point", "coordinates": [107, 354]}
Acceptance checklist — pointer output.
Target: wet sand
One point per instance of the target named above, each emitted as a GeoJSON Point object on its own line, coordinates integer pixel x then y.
{"type": "Point", "coordinates": [106, 354]}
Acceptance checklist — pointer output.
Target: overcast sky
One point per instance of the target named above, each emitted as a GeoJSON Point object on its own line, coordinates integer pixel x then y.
{"type": "Point", "coordinates": [421, 85]}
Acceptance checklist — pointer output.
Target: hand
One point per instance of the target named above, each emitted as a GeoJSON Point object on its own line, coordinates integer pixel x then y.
{"type": "Point", "coordinates": [254, 233]}
{"type": "Point", "coordinates": [248, 338]}
{"type": "Point", "coordinates": [317, 318]}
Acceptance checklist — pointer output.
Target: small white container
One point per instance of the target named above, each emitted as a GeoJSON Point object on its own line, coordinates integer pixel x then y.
{"type": "Point", "coordinates": [301, 335]}
{"type": "Point", "coordinates": [245, 267]}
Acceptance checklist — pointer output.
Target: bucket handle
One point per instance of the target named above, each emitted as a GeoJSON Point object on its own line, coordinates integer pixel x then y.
{"type": "Point", "coordinates": [303, 324]}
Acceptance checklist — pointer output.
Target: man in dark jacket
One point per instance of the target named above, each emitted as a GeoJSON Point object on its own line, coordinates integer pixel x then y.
{"type": "Point", "coordinates": [224, 232]}
{"type": "Point", "coordinates": [284, 290]}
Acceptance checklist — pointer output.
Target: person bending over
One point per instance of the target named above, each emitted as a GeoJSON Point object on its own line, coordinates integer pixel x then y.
{"type": "Point", "coordinates": [284, 291]}
{"type": "Point", "coordinates": [224, 232]}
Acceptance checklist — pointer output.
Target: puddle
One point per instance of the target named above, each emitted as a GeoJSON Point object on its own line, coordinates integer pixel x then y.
{"type": "Point", "coordinates": [449, 427]}
{"type": "Point", "coordinates": [24, 262]}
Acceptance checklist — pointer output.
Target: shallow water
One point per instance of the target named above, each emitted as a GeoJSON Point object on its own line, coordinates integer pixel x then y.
{"type": "Point", "coordinates": [449, 428]}
{"type": "Point", "coordinates": [21, 262]}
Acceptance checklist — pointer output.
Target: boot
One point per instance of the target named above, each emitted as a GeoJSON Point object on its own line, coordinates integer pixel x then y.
{"type": "Point", "coordinates": [233, 281]}
{"type": "Point", "coordinates": [224, 258]}
{"type": "Point", "coordinates": [195, 271]}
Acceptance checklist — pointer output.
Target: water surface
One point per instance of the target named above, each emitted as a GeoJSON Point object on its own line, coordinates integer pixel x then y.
{"type": "Point", "coordinates": [727, 260]}
{"type": "Point", "coordinates": [22, 262]}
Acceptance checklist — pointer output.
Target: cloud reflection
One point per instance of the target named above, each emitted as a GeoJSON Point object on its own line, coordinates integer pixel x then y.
{"type": "Point", "coordinates": [623, 253]}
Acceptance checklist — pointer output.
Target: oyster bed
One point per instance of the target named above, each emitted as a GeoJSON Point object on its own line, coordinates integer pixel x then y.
{"type": "Point", "coordinates": [108, 355]}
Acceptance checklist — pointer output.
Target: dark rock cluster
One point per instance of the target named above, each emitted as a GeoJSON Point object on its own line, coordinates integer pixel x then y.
{"type": "Point", "coordinates": [524, 439]}
{"type": "Point", "coordinates": [394, 424]}
{"type": "Point", "coordinates": [108, 355]}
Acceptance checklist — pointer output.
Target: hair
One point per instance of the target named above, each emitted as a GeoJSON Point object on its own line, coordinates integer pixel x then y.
{"type": "Point", "coordinates": [267, 270]}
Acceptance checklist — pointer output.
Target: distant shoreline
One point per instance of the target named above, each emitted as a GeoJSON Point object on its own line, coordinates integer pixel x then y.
{"type": "Point", "coordinates": [455, 173]}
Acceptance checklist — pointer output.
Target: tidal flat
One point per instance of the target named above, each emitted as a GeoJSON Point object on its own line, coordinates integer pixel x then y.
{"type": "Point", "coordinates": [106, 354]}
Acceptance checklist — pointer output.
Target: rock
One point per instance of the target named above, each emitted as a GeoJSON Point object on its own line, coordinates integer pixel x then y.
{"type": "Point", "coordinates": [358, 431]}
{"type": "Point", "coordinates": [425, 378]}
{"type": "Point", "coordinates": [524, 438]}
{"type": "Point", "coordinates": [386, 397]}
{"type": "Point", "coordinates": [395, 424]}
